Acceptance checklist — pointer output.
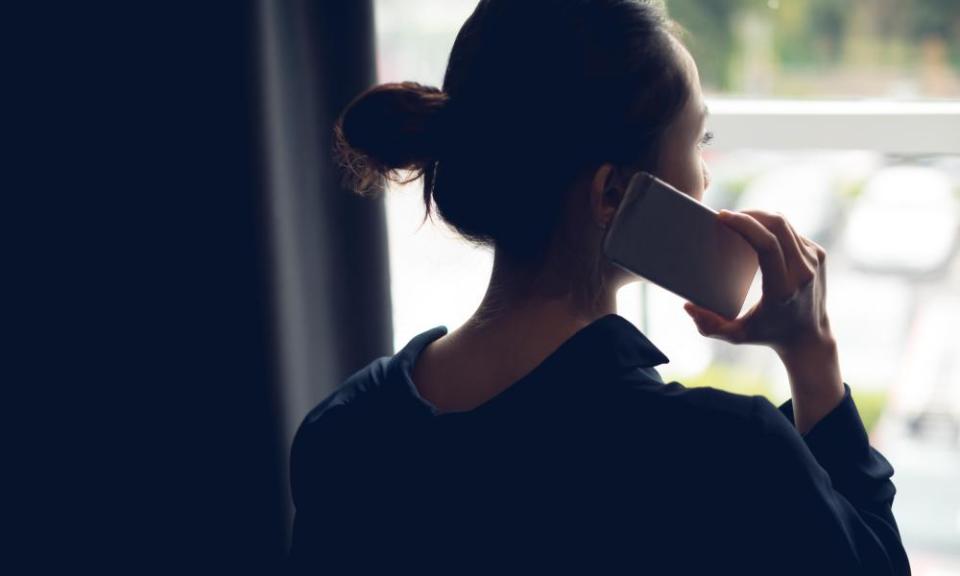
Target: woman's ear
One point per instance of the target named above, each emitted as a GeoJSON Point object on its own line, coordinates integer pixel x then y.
{"type": "Point", "coordinates": [606, 191]}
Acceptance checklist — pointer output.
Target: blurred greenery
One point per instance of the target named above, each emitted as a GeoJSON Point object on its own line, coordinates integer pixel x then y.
{"type": "Point", "coordinates": [802, 47]}
{"type": "Point", "coordinates": [729, 378]}
{"type": "Point", "coordinates": [870, 403]}
{"type": "Point", "coordinates": [735, 187]}
{"type": "Point", "coordinates": [850, 190]}
{"type": "Point", "coordinates": [709, 34]}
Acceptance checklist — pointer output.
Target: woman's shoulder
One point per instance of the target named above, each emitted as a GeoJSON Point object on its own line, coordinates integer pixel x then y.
{"type": "Point", "coordinates": [375, 387]}
{"type": "Point", "coordinates": [702, 422]}
{"type": "Point", "coordinates": [673, 400]}
{"type": "Point", "coordinates": [332, 425]}
{"type": "Point", "coordinates": [360, 392]}
{"type": "Point", "coordinates": [716, 423]}
{"type": "Point", "coordinates": [356, 389]}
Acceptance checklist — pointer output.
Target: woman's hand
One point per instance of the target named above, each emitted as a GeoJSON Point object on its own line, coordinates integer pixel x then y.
{"type": "Point", "coordinates": [791, 316]}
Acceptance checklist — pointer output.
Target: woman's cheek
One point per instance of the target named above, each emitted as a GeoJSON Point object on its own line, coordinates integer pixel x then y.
{"type": "Point", "coordinates": [694, 172]}
{"type": "Point", "coordinates": [705, 170]}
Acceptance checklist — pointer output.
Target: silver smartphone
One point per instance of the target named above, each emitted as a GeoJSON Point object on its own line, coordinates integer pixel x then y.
{"type": "Point", "coordinates": [679, 244]}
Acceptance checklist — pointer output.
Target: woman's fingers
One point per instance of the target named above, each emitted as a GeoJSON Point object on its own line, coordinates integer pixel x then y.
{"type": "Point", "coordinates": [773, 268]}
{"type": "Point", "coordinates": [808, 246]}
{"type": "Point", "coordinates": [817, 250]}
{"type": "Point", "coordinates": [792, 302]}
{"type": "Point", "coordinates": [795, 254]}
{"type": "Point", "coordinates": [714, 325]}
{"type": "Point", "coordinates": [821, 255]}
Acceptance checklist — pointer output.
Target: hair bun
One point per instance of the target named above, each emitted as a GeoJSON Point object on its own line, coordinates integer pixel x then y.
{"type": "Point", "coordinates": [389, 128]}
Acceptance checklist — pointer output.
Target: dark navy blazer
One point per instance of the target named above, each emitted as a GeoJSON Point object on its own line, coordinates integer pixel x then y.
{"type": "Point", "coordinates": [588, 464]}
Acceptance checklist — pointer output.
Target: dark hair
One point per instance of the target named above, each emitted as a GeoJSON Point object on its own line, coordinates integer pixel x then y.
{"type": "Point", "coordinates": [535, 91]}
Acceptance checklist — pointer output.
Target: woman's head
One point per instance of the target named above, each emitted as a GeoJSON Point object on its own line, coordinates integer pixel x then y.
{"type": "Point", "coordinates": [547, 108]}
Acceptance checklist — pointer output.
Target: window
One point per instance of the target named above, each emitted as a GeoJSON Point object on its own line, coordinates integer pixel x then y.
{"type": "Point", "coordinates": [844, 115]}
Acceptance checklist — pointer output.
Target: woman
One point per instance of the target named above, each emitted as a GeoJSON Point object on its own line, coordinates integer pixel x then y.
{"type": "Point", "coordinates": [538, 435]}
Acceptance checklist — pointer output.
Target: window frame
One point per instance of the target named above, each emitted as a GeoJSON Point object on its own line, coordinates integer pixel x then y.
{"type": "Point", "coordinates": [891, 127]}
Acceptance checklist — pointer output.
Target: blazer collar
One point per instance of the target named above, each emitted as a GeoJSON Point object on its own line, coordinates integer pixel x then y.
{"type": "Point", "coordinates": [609, 343]}
{"type": "Point", "coordinates": [615, 341]}
{"type": "Point", "coordinates": [607, 347]}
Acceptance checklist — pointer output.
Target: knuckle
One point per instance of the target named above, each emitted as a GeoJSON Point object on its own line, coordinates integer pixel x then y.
{"type": "Point", "coordinates": [787, 299]}
{"type": "Point", "coordinates": [779, 222]}
{"type": "Point", "coordinates": [770, 240]}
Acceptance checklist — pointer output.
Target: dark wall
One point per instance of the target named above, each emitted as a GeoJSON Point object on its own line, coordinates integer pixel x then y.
{"type": "Point", "coordinates": [206, 490]}
{"type": "Point", "coordinates": [150, 438]}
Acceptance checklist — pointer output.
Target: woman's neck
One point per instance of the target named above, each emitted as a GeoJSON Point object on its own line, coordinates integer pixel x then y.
{"type": "Point", "coordinates": [544, 298]}
{"type": "Point", "coordinates": [520, 322]}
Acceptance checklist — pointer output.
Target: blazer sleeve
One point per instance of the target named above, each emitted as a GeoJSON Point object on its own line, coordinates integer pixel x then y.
{"type": "Point", "coordinates": [832, 492]}
{"type": "Point", "coordinates": [320, 492]}
{"type": "Point", "coordinates": [350, 504]}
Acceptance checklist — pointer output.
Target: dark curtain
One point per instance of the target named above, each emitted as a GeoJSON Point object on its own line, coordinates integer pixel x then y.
{"type": "Point", "coordinates": [330, 249]}
{"type": "Point", "coordinates": [157, 301]}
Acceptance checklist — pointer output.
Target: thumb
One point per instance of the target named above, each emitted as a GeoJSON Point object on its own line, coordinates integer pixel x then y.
{"type": "Point", "coordinates": [711, 324]}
